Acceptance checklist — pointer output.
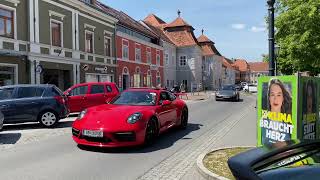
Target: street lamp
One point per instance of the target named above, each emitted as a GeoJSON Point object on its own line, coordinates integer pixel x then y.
{"type": "Point", "coordinates": [271, 37]}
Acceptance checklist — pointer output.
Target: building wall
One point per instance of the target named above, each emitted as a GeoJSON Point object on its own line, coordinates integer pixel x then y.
{"type": "Point", "coordinates": [170, 71]}
{"type": "Point", "coordinates": [217, 69]}
{"type": "Point", "coordinates": [254, 75]}
{"type": "Point", "coordinates": [192, 72]}
{"type": "Point", "coordinates": [45, 61]}
{"type": "Point", "coordinates": [44, 23]}
{"type": "Point", "coordinates": [156, 71]}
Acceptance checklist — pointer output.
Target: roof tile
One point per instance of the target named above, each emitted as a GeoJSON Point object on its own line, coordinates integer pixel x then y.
{"type": "Point", "coordinates": [259, 66]}
{"type": "Point", "coordinates": [242, 64]}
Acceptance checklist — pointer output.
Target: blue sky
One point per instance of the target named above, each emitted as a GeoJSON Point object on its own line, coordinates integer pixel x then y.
{"type": "Point", "coordinates": [236, 26]}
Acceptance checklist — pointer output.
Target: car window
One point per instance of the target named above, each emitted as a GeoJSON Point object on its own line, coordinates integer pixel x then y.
{"type": "Point", "coordinates": [230, 87]}
{"type": "Point", "coordinates": [52, 92]}
{"type": "Point", "coordinates": [81, 90]}
{"type": "Point", "coordinates": [97, 89]}
{"type": "Point", "coordinates": [138, 98]}
{"type": "Point", "coordinates": [39, 91]}
{"type": "Point", "coordinates": [27, 92]}
{"type": "Point", "coordinates": [172, 96]}
{"type": "Point", "coordinates": [164, 96]}
{"type": "Point", "coordinates": [6, 93]}
{"type": "Point", "coordinates": [109, 89]}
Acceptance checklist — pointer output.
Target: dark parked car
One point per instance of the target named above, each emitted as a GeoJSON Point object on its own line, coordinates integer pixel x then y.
{"type": "Point", "coordinates": [32, 103]}
{"type": "Point", "coordinates": [228, 92]}
{"type": "Point", "coordinates": [292, 160]}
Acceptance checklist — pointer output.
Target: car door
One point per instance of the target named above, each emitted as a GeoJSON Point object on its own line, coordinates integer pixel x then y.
{"type": "Point", "coordinates": [77, 96]}
{"type": "Point", "coordinates": [27, 104]}
{"type": "Point", "coordinates": [165, 111]}
{"type": "Point", "coordinates": [174, 107]}
{"type": "Point", "coordinates": [96, 95]}
{"type": "Point", "coordinates": [7, 101]}
{"type": "Point", "coordinates": [110, 93]}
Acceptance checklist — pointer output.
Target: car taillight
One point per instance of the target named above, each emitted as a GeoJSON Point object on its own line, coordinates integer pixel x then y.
{"type": "Point", "coordinates": [60, 99]}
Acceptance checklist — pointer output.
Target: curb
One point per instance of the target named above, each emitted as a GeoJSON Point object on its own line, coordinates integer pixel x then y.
{"type": "Point", "coordinates": [207, 174]}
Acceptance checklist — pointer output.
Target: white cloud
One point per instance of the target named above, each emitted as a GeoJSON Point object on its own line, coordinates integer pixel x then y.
{"type": "Point", "coordinates": [257, 29]}
{"type": "Point", "coordinates": [238, 26]}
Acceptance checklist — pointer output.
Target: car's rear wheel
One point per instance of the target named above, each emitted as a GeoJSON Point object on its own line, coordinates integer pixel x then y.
{"type": "Point", "coordinates": [151, 132]}
{"type": "Point", "coordinates": [48, 118]}
{"type": "Point", "coordinates": [184, 118]}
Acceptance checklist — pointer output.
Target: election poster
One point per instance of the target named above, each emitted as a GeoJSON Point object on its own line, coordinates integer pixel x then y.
{"type": "Point", "coordinates": [308, 108]}
{"type": "Point", "coordinates": [277, 109]}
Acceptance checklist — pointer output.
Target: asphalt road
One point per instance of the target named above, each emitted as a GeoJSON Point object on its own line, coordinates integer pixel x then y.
{"type": "Point", "coordinates": [57, 156]}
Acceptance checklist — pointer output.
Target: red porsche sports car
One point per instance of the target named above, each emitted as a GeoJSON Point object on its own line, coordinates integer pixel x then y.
{"type": "Point", "coordinates": [136, 116]}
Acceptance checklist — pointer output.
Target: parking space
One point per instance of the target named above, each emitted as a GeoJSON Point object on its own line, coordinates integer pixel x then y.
{"type": "Point", "coordinates": [17, 134]}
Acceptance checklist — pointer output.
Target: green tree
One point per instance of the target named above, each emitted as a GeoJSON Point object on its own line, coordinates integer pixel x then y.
{"type": "Point", "coordinates": [265, 57]}
{"type": "Point", "coordinates": [298, 35]}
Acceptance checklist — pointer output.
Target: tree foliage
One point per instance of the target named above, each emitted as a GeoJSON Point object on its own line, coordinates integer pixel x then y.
{"type": "Point", "coordinates": [298, 34]}
{"type": "Point", "coordinates": [265, 57]}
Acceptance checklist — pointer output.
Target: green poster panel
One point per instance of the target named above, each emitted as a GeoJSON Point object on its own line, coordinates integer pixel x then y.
{"type": "Point", "coordinates": [308, 108]}
{"type": "Point", "coordinates": [277, 109]}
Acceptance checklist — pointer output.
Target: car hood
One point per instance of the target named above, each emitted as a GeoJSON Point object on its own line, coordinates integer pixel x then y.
{"type": "Point", "coordinates": [226, 93]}
{"type": "Point", "coordinates": [111, 115]}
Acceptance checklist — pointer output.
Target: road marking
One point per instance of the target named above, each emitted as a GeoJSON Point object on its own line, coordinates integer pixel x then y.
{"type": "Point", "coordinates": [175, 166]}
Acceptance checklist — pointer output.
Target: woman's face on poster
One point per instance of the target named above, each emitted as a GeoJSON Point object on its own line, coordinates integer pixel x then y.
{"type": "Point", "coordinates": [309, 99]}
{"type": "Point", "coordinates": [276, 98]}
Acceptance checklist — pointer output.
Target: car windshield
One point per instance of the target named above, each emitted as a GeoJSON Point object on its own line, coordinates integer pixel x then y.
{"type": "Point", "coordinates": [6, 93]}
{"type": "Point", "coordinates": [140, 98]}
{"type": "Point", "coordinates": [227, 87]}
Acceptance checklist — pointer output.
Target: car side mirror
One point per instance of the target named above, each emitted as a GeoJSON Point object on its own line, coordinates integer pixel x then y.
{"type": "Point", "coordinates": [166, 102]}
{"type": "Point", "coordinates": [67, 94]}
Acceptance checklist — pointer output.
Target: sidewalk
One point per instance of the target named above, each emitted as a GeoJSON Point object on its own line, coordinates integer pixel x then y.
{"type": "Point", "coordinates": [197, 96]}
{"type": "Point", "coordinates": [235, 137]}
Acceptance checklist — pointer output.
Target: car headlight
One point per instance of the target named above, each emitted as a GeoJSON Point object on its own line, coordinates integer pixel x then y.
{"type": "Point", "coordinates": [134, 118]}
{"type": "Point", "coordinates": [82, 114]}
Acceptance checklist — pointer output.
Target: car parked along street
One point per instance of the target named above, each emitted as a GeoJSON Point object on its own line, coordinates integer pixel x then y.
{"type": "Point", "coordinates": [85, 95]}
{"type": "Point", "coordinates": [32, 103]}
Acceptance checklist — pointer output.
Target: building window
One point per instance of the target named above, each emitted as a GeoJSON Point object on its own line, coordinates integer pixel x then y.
{"type": "Point", "coordinates": [158, 59]}
{"type": "Point", "coordinates": [56, 33]}
{"type": "Point", "coordinates": [8, 75]}
{"type": "Point", "coordinates": [6, 23]}
{"type": "Point", "coordinates": [125, 50]}
{"type": "Point", "coordinates": [149, 80]}
{"type": "Point", "coordinates": [95, 77]}
{"type": "Point", "coordinates": [138, 54]}
{"type": "Point", "coordinates": [166, 56]}
{"type": "Point", "coordinates": [148, 55]}
{"type": "Point", "coordinates": [183, 60]}
{"type": "Point", "coordinates": [89, 42]}
{"type": "Point", "coordinates": [107, 46]}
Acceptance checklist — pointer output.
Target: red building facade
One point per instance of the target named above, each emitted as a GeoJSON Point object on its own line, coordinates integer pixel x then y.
{"type": "Point", "coordinates": [143, 67]}
{"type": "Point", "coordinates": [139, 53]}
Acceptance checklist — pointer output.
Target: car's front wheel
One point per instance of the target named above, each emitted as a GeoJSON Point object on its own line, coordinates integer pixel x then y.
{"type": "Point", "coordinates": [48, 118]}
{"type": "Point", "coordinates": [151, 132]}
